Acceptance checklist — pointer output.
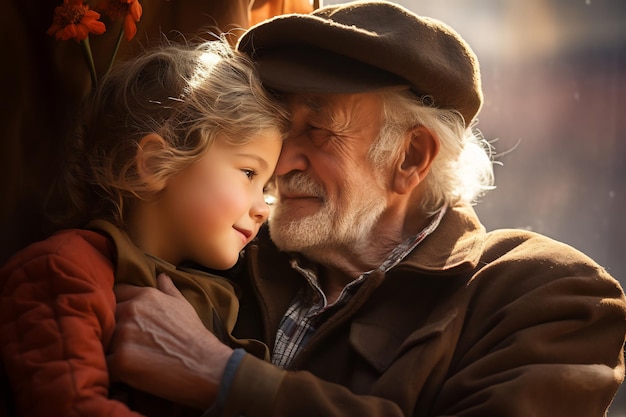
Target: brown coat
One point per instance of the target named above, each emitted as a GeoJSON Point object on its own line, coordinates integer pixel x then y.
{"type": "Point", "coordinates": [471, 324]}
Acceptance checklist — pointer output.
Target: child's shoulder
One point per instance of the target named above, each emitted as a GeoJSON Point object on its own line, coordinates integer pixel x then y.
{"type": "Point", "coordinates": [78, 247]}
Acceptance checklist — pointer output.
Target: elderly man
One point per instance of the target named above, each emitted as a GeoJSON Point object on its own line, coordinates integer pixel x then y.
{"type": "Point", "coordinates": [376, 288]}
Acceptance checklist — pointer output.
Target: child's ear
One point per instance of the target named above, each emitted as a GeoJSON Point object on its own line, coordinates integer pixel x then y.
{"type": "Point", "coordinates": [421, 148]}
{"type": "Point", "coordinates": [147, 159]}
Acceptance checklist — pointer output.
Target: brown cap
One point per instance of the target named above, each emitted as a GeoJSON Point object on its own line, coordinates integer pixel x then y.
{"type": "Point", "coordinates": [366, 46]}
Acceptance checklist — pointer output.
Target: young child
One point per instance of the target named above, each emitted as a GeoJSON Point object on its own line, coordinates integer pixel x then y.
{"type": "Point", "coordinates": [177, 147]}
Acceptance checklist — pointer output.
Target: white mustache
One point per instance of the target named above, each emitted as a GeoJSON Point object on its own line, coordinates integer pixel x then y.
{"type": "Point", "coordinates": [300, 183]}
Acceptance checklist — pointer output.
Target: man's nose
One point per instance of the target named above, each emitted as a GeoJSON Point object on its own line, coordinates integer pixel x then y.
{"type": "Point", "coordinates": [293, 156]}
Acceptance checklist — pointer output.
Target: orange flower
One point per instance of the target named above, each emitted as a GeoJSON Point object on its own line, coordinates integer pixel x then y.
{"type": "Point", "coordinates": [130, 10]}
{"type": "Point", "coordinates": [132, 17]}
{"type": "Point", "coordinates": [74, 20]}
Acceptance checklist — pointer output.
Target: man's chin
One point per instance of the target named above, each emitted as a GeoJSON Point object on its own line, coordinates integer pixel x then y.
{"type": "Point", "coordinates": [300, 236]}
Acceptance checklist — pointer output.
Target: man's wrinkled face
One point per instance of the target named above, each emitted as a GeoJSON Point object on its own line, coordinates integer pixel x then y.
{"type": "Point", "coordinates": [328, 193]}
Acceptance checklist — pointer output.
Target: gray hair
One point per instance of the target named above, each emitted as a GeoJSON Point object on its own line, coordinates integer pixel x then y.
{"type": "Point", "coordinates": [463, 169]}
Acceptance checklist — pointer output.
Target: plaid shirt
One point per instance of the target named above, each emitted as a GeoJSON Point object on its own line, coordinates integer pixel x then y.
{"type": "Point", "coordinates": [310, 306]}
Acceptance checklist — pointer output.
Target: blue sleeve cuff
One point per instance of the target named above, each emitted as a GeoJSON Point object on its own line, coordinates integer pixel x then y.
{"type": "Point", "coordinates": [227, 380]}
{"type": "Point", "coordinates": [229, 374]}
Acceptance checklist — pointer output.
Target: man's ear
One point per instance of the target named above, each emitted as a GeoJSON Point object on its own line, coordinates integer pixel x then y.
{"type": "Point", "coordinates": [420, 149]}
{"type": "Point", "coordinates": [149, 153]}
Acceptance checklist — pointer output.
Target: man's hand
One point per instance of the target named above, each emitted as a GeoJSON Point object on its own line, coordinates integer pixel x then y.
{"type": "Point", "coordinates": [161, 346]}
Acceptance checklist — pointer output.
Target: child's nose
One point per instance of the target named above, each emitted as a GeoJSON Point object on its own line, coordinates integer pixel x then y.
{"type": "Point", "coordinates": [260, 210]}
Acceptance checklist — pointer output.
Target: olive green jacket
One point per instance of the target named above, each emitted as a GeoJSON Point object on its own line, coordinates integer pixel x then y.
{"type": "Point", "coordinates": [506, 323]}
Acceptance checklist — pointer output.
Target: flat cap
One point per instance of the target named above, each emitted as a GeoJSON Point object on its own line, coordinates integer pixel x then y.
{"type": "Point", "coordinates": [366, 46]}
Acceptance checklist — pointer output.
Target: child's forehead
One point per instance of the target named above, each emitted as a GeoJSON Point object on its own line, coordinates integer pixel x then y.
{"type": "Point", "coordinates": [249, 144]}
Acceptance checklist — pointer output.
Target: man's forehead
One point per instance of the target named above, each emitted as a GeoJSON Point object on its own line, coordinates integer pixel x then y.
{"type": "Point", "coordinates": [315, 103]}
{"type": "Point", "coordinates": [344, 114]}
{"type": "Point", "coordinates": [326, 104]}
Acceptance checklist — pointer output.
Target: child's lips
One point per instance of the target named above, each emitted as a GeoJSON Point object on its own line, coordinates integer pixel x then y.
{"type": "Point", "coordinates": [247, 234]}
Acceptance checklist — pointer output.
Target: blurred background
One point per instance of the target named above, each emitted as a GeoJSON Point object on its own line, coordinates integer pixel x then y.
{"type": "Point", "coordinates": [554, 78]}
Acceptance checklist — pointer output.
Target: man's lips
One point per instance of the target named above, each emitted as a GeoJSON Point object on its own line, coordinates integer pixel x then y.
{"type": "Point", "coordinates": [295, 196]}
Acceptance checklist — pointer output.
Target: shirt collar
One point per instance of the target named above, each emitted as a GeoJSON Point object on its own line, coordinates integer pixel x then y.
{"type": "Point", "coordinates": [403, 249]}
{"type": "Point", "coordinates": [309, 271]}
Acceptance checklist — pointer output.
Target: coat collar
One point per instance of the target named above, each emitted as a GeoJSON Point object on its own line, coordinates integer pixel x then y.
{"type": "Point", "coordinates": [456, 245]}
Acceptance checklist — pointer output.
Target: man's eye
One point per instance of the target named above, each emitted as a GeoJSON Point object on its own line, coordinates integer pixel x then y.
{"type": "Point", "coordinates": [313, 128]}
{"type": "Point", "coordinates": [319, 135]}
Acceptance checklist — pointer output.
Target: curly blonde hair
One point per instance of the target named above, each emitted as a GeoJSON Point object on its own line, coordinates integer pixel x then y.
{"type": "Point", "coordinates": [190, 96]}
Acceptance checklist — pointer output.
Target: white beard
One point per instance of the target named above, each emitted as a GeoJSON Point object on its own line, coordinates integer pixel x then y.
{"type": "Point", "coordinates": [346, 223]}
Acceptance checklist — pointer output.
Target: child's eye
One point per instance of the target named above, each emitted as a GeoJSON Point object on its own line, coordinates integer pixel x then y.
{"type": "Point", "coordinates": [250, 173]}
